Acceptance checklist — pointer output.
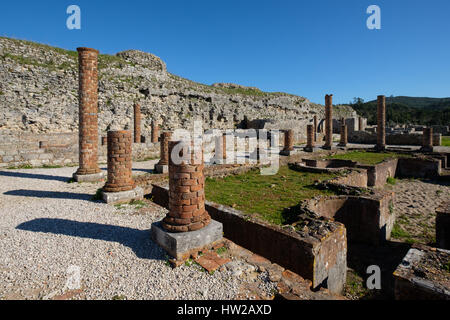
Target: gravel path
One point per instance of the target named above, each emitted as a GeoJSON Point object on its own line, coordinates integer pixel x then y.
{"type": "Point", "coordinates": [49, 228]}
{"type": "Point", "coordinates": [415, 206]}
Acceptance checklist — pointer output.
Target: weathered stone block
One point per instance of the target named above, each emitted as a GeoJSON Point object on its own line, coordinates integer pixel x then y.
{"type": "Point", "coordinates": [181, 245]}
{"type": "Point", "coordinates": [123, 196]}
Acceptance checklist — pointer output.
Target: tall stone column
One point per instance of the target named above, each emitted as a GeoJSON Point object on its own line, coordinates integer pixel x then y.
{"type": "Point", "coordinates": [344, 136]}
{"type": "Point", "coordinates": [186, 193]}
{"type": "Point", "coordinates": [315, 128]}
{"type": "Point", "coordinates": [360, 124]}
{"type": "Point", "coordinates": [309, 138]}
{"type": "Point", "coordinates": [381, 121]}
{"type": "Point", "coordinates": [427, 142]}
{"type": "Point", "coordinates": [88, 170]}
{"type": "Point", "coordinates": [155, 131]}
{"type": "Point", "coordinates": [163, 164]}
{"type": "Point", "coordinates": [328, 121]}
{"type": "Point", "coordinates": [137, 123]}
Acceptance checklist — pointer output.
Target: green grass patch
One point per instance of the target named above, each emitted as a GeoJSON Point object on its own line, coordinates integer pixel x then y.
{"type": "Point", "coordinates": [399, 233]}
{"type": "Point", "coordinates": [266, 196]}
{"type": "Point", "coordinates": [446, 141]}
{"type": "Point", "coordinates": [97, 196]}
{"type": "Point", "coordinates": [391, 180]}
{"type": "Point", "coordinates": [368, 158]}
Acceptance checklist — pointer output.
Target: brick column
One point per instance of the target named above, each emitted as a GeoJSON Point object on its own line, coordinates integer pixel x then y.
{"type": "Point", "coordinates": [381, 121]}
{"type": "Point", "coordinates": [155, 131]}
{"type": "Point", "coordinates": [328, 121]}
{"type": "Point", "coordinates": [186, 194]}
{"type": "Point", "coordinates": [427, 142]}
{"type": "Point", "coordinates": [164, 151]}
{"type": "Point", "coordinates": [137, 123]}
{"type": "Point", "coordinates": [119, 162]}
{"type": "Point", "coordinates": [344, 136]}
{"type": "Point", "coordinates": [88, 110]}
{"type": "Point", "coordinates": [360, 125]}
{"type": "Point", "coordinates": [288, 140]}
{"type": "Point", "coordinates": [224, 146]}
{"type": "Point", "coordinates": [309, 138]}
{"type": "Point", "coordinates": [315, 128]}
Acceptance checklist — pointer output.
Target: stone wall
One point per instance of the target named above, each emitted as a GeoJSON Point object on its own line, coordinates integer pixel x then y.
{"type": "Point", "coordinates": [406, 139]}
{"type": "Point", "coordinates": [55, 149]}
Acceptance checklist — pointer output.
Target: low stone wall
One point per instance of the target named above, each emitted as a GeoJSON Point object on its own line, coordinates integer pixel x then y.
{"type": "Point", "coordinates": [321, 258]}
{"type": "Point", "coordinates": [378, 174]}
{"type": "Point", "coordinates": [411, 281]}
{"type": "Point", "coordinates": [368, 219]}
{"type": "Point", "coordinates": [18, 149]}
{"type": "Point", "coordinates": [407, 139]}
{"type": "Point", "coordinates": [443, 225]}
{"type": "Point", "coordinates": [418, 168]}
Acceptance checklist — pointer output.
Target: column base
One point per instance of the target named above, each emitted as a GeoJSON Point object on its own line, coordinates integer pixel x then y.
{"type": "Point", "coordinates": [95, 177]}
{"type": "Point", "coordinates": [380, 148]}
{"type": "Point", "coordinates": [162, 168]}
{"type": "Point", "coordinates": [310, 149]}
{"type": "Point", "coordinates": [181, 245]}
{"type": "Point", "coordinates": [288, 152]}
{"type": "Point", "coordinates": [342, 145]}
{"type": "Point", "coordinates": [427, 149]}
{"type": "Point", "coordinates": [329, 148]}
{"type": "Point", "coordinates": [123, 196]}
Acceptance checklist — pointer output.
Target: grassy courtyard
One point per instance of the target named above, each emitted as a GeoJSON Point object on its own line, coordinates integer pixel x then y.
{"type": "Point", "coordinates": [266, 196]}
{"type": "Point", "coordinates": [446, 141]}
{"type": "Point", "coordinates": [368, 158]}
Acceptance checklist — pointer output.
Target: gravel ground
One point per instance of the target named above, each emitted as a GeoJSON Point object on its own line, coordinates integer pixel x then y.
{"type": "Point", "coordinates": [415, 205]}
{"type": "Point", "coordinates": [49, 228]}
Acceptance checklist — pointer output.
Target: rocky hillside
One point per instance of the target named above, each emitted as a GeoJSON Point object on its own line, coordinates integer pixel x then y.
{"type": "Point", "coordinates": [38, 93]}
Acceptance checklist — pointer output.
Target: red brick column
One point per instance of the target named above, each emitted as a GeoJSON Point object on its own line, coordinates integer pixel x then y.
{"type": "Point", "coordinates": [288, 140]}
{"type": "Point", "coordinates": [224, 146]}
{"type": "Point", "coordinates": [310, 138]}
{"type": "Point", "coordinates": [119, 162]}
{"type": "Point", "coordinates": [381, 121]}
{"type": "Point", "coordinates": [155, 131]}
{"type": "Point", "coordinates": [344, 136]}
{"type": "Point", "coordinates": [186, 194]}
{"type": "Point", "coordinates": [328, 121]}
{"type": "Point", "coordinates": [164, 151]}
{"type": "Point", "coordinates": [427, 142]}
{"type": "Point", "coordinates": [88, 110]}
{"type": "Point", "coordinates": [315, 128]}
{"type": "Point", "coordinates": [360, 124]}
{"type": "Point", "coordinates": [137, 123]}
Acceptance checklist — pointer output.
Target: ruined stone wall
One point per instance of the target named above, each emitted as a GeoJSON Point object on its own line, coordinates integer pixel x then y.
{"type": "Point", "coordinates": [19, 149]}
{"type": "Point", "coordinates": [411, 139]}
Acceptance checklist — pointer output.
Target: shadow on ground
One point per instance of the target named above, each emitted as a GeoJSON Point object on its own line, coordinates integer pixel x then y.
{"type": "Point", "coordinates": [387, 257]}
{"type": "Point", "coordinates": [49, 194]}
{"type": "Point", "coordinates": [138, 240]}
{"type": "Point", "coordinates": [32, 176]}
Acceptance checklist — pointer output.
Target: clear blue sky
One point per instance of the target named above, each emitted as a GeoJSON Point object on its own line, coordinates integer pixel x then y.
{"type": "Point", "coordinates": [308, 48]}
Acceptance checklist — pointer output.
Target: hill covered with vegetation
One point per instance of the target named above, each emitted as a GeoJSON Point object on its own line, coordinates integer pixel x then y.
{"type": "Point", "coordinates": [407, 110]}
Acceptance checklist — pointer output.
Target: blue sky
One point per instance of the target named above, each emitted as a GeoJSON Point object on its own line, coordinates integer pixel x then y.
{"type": "Point", "coordinates": [308, 48]}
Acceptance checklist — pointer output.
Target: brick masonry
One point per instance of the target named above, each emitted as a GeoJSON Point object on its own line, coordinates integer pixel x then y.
{"type": "Point", "coordinates": [310, 135]}
{"type": "Point", "coordinates": [119, 162]}
{"type": "Point", "coordinates": [328, 121]}
{"type": "Point", "coordinates": [186, 192]}
{"type": "Point", "coordinates": [344, 136]}
{"type": "Point", "coordinates": [164, 148]}
{"type": "Point", "coordinates": [381, 123]}
{"type": "Point", "coordinates": [289, 140]}
{"type": "Point", "coordinates": [137, 123]}
{"type": "Point", "coordinates": [427, 143]}
{"type": "Point", "coordinates": [155, 131]}
{"type": "Point", "coordinates": [88, 111]}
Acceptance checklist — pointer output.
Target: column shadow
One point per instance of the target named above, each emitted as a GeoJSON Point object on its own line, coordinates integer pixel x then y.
{"type": "Point", "coordinates": [49, 194]}
{"type": "Point", "coordinates": [138, 240]}
{"type": "Point", "coordinates": [32, 176]}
